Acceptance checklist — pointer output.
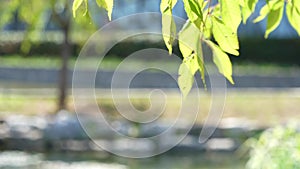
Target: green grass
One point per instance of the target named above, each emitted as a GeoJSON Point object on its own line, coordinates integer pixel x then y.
{"type": "Point", "coordinates": [266, 108]}
{"type": "Point", "coordinates": [29, 62]}
{"type": "Point", "coordinates": [265, 69]}
{"type": "Point", "coordinates": [112, 62]}
{"type": "Point", "coordinates": [26, 105]}
{"type": "Point", "coordinates": [54, 62]}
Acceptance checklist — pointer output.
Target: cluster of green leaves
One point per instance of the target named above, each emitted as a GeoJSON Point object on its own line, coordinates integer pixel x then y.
{"type": "Point", "coordinates": [278, 148]}
{"type": "Point", "coordinates": [220, 22]}
{"type": "Point", "coordinates": [106, 4]}
{"type": "Point", "coordinates": [27, 12]}
{"type": "Point", "coordinates": [274, 9]}
{"type": "Point", "coordinates": [36, 14]}
{"type": "Point", "coordinates": [214, 24]}
{"type": "Point", "coordinates": [205, 21]}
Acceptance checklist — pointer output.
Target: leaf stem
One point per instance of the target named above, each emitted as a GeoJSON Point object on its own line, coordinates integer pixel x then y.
{"type": "Point", "coordinates": [205, 19]}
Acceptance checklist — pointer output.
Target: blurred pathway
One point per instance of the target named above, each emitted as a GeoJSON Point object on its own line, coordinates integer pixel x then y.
{"type": "Point", "coordinates": [18, 77]}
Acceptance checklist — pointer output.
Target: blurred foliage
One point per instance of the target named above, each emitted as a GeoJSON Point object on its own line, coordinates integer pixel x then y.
{"type": "Point", "coordinates": [277, 148]}
{"type": "Point", "coordinates": [37, 15]}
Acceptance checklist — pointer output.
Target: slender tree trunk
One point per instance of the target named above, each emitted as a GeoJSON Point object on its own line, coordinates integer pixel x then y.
{"type": "Point", "coordinates": [63, 74]}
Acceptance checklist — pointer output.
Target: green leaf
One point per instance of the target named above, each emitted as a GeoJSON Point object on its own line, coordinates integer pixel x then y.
{"type": "Point", "coordinates": [194, 11]}
{"type": "Point", "coordinates": [216, 10]}
{"type": "Point", "coordinates": [293, 15]}
{"type": "Point", "coordinates": [252, 4]}
{"type": "Point", "coordinates": [166, 6]}
{"type": "Point", "coordinates": [231, 13]}
{"type": "Point", "coordinates": [262, 14]}
{"type": "Point", "coordinates": [222, 61]}
{"type": "Point", "coordinates": [276, 4]}
{"type": "Point", "coordinates": [191, 48]}
{"type": "Point", "coordinates": [246, 13]}
{"type": "Point", "coordinates": [203, 4]}
{"type": "Point", "coordinates": [76, 5]}
{"type": "Point", "coordinates": [207, 30]}
{"type": "Point", "coordinates": [168, 23]}
{"type": "Point", "coordinates": [190, 44]}
{"type": "Point", "coordinates": [225, 37]}
{"type": "Point", "coordinates": [274, 17]}
{"type": "Point", "coordinates": [107, 5]}
{"type": "Point", "coordinates": [248, 9]}
{"type": "Point", "coordinates": [296, 4]}
{"type": "Point", "coordinates": [185, 79]}
{"type": "Point", "coordinates": [168, 31]}
{"type": "Point", "coordinates": [265, 10]}
{"type": "Point", "coordinates": [192, 63]}
{"type": "Point", "coordinates": [188, 39]}
{"type": "Point", "coordinates": [242, 3]}
{"type": "Point", "coordinates": [32, 13]}
{"type": "Point", "coordinates": [86, 7]}
{"type": "Point", "coordinates": [7, 11]}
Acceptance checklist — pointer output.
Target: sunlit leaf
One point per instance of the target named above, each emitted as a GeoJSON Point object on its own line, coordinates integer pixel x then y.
{"type": "Point", "coordinates": [86, 7]}
{"type": "Point", "coordinates": [216, 10]}
{"type": "Point", "coordinates": [264, 11]}
{"type": "Point", "coordinates": [185, 79]}
{"type": "Point", "coordinates": [225, 37]}
{"type": "Point", "coordinates": [242, 3]}
{"type": "Point", "coordinates": [193, 11]}
{"type": "Point", "coordinates": [276, 4]}
{"type": "Point", "coordinates": [296, 4]}
{"type": "Point", "coordinates": [76, 5]}
{"type": "Point", "coordinates": [203, 4]}
{"type": "Point", "coordinates": [248, 8]}
{"type": "Point", "coordinates": [246, 14]}
{"type": "Point", "coordinates": [231, 13]}
{"type": "Point", "coordinates": [169, 31]}
{"type": "Point", "coordinates": [191, 48]}
{"type": "Point", "coordinates": [168, 23]}
{"type": "Point", "coordinates": [207, 30]}
{"type": "Point", "coordinates": [222, 61]}
{"type": "Point", "coordinates": [167, 5]}
{"type": "Point", "coordinates": [274, 17]}
{"type": "Point", "coordinates": [188, 39]}
{"type": "Point", "coordinates": [262, 14]}
{"type": "Point", "coordinates": [107, 5]}
{"type": "Point", "coordinates": [293, 15]}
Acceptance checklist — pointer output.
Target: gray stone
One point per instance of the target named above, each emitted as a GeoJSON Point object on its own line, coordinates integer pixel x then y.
{"type": "Point", "coordinates": [64, 126]}
{"type": "Point", "coordinates": [80, 165]}
{"type": "Point", "coordinates": [4, 130]}
{"type": "Point", "coordinates": [152, 129]}
{"type": "Point", "coordinates": [190, 144]}
{"type": "Point", "coordinates": [24, 133]}
{"type": "Point", "coordinates": [221, 144]}
{"type": "Point", "coordinates": [19, 160]}
{"type": "Point", "coordinates": [22, 144]}
{"type": "Point", "coordinates": [36, 122]}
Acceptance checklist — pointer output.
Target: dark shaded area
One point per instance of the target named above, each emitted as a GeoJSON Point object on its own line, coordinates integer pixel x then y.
{"type": "Point", "coordinates": [277, 51]}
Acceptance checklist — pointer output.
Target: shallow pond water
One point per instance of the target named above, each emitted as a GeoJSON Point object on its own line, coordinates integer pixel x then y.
{"type": "Point", "coordinates": [80, 160]}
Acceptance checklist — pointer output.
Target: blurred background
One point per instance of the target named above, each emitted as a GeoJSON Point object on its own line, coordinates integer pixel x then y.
{"type": "Point", "coordinates": [39, 45]}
